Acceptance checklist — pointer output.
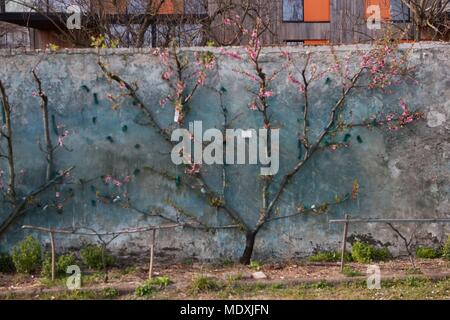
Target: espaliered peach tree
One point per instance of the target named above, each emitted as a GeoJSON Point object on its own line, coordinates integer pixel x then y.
{"type": "Point", "coordinates": [378, 68]}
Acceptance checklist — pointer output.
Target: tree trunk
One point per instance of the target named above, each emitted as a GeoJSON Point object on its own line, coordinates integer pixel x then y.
{"type": "Point", "coordinates": [249, 244]}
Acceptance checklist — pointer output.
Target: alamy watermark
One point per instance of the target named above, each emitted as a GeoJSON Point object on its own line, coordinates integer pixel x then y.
{"type": "Point", "coordinates": [74, 280]}
{"type": "Point", "coordinates": [373, 17]}
{"type": "Point", "coordinates": [74, 20]}
{"type": "Point", "coordinates": [263, 146]}
{"type": "Point", "coordinates": [374, 279]}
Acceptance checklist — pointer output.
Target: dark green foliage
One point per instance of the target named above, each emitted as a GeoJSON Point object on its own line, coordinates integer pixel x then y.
{"type": "Point", "coordinates": [427, 253]}
{"type": "Point", "coordinates": [6, 263]}
{"type": "Point", "coordinates": [150, 287]}
{"type": "Point", "coordinates": [62, 263]}
{"type": "Point", "coordinates": [92, 256]}
{"type": "Point", "coordinates": [366, 253]}
{"type": "Point", "coordinates": [27, 255]}
{"type": "Point", "coordinates": [329, 256]}
{"type": "Point", "coordinates": [446, 250]}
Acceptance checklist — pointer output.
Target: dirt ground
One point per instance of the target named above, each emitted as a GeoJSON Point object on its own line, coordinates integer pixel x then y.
{"type": "Point", "coordinates": [236, 278]}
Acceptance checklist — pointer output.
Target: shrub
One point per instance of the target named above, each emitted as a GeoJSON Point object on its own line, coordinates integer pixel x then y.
{"type": "Point", "coordinates": [27, 255]}
{"type": "Point", "coordinates": [92, 256]}
{"type": "Point", "coordinates": [255, 264]}
{"type": "Point", "coordinates": [446, 250]}
{"type": "Point", "coordinates": [163, 281]}
{"type": "Point", "coordinates": [204, 284]}
{"type": "Point", "coordinates": [365, 253]}
{"type": "Point", "coordinates": [146, 289]}
{"type": "Point", "coordinates": [110, 293]}
{"type": "Point", "coordinates": [329, 256]}
{"type": "Point", "coordinates": [6, 263]}
{"type": "Point", "coordinates": [427, 253]}
{"type": "Point", "coordinates": [62, 263]}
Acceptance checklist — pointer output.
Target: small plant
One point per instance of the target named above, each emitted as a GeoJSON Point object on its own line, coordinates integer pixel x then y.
{"type": "Point", "coordinates": [321, 285]}
{"type": "Point", "coordinates": [256, 265]}
{"type": "Point", "coordinates": [204, 284]}
{"type": "Point", "coordinates": [146, 289]}
{"type": "Point", "coordinates": [96, 257]}
{"type": "Point", "coordinates": [110, 293]}
{"type": "Point", "coordinates": [61, 266]}
{"type": "Point", "coordinates": [427, 253]}
{"type": "Point", "coordinates": [329, 256]}
{"type": "Point", "coordinates": [163, 281]}
{"type": "Point", "coordinates": [6, 263]}
{"type": "Point", "coordinates": [27, 255]}
{"type": "Point", "coordinates": [365, 253]}
{"type": "Point", "coordinates": [446, 250]}
{"type": "Point", "coordinates": [350, 272]}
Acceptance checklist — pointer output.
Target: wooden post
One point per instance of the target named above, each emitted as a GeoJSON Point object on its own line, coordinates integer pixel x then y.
{"type": "Point", "coordinates": [52, 244]}
{"type": "Point", "coordinates": [344, 242]}
{"type": "Point", "coordinates": [152, 252]}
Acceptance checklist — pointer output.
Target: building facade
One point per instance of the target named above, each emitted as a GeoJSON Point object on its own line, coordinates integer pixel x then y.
{"type": "Point", "coordinates": [291, 22]}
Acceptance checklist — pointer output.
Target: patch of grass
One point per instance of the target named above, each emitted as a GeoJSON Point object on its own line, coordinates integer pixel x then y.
{"type": "Point", "coordinates": [350, 272]}
{"type": "Point", "coordinates": [203, 284]}
{"type": "Point", "coordinates": [52, 284]}
{"type": "Point", "coordinates": [27, 255]}
{"type": "Point", "coordinates": [366, 253]}
{"type": "Point", "coordinates": [321, 285]}
{"type": "Point", "coordinates": [427, 253]}
{"type": "Point", "coordinates": [235, 277]}
{"type": "Point", "coordinates": [256, 265]}
{"type": "Point", "coordinates": [415, 282]}
{"type": "Point", "coordinates": [413, 271]}
{"type": "Point", "coordinates": [110, 293]}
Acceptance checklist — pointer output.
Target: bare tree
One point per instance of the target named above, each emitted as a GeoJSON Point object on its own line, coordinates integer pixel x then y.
{"type": "Point", "coordinates": [429, 14]}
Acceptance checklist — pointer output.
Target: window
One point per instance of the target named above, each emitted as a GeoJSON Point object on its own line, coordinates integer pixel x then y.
{"type": "Point", "coordinates": [306, 10]}
{"type": "Point", "coordinates": [293, 43]}
{"type": "Point", "coordinates": [292, 10]}
{"type": "Point", "coordinates": [399, 11]}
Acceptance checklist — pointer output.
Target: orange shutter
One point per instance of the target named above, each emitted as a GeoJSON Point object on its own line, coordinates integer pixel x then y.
{"type": "Point", "coordinates": [385, 7]}
{"type": "Point", "coordinates": [315, 42]}
{"type": "Point", "coordinates": [170, 6]}
{"type": "Point", "coordinates": [317, 10]}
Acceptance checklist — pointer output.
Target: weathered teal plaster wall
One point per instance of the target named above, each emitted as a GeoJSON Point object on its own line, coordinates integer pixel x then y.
{"type": "Point", "coordinates": [401, 174]}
